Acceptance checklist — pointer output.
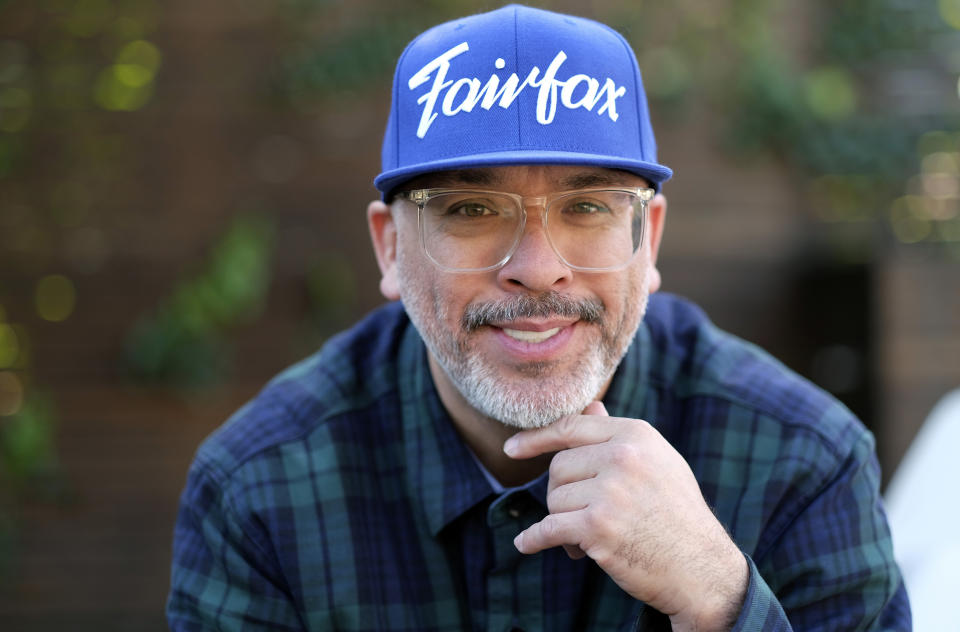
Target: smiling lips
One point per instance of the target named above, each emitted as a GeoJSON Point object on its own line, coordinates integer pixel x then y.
{"type": "Point", "coordinates": [534, 337]}
{"type": "Point", "coordinates": [534, 341]}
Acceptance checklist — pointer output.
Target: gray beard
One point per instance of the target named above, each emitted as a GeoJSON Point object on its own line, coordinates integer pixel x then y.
{"type": "Point", "coordinates": [538, 398]}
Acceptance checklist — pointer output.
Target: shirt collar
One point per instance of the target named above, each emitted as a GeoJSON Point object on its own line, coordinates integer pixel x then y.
{"type": "Point", "coordinates": [629, 393]}
{"type": "Point", "coordinates": [441, 473]}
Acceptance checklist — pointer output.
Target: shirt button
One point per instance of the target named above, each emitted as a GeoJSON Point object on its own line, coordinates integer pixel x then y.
{"type": "Point", "coordinates": [514, 512]}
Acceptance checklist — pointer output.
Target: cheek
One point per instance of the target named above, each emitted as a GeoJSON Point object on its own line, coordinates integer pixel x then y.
{"type": "Point", "coordinates": [421, 288]}
{"type": "Point", "coordinates": [624, 296]}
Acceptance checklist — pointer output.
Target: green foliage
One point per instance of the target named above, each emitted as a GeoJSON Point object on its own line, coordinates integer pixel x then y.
{"type": "Point", "coordinates": [863, 31]}
{"type": "Point", "coordinates": [28, 456]}
{"type": "Point", "coordinates": [331, 56]}
{"type": "Point", "coordinates": [352, 59]}
{"type": "Point", "coordinates": [183, 341]}
{"type": "Point", "coordinates": [27, 442]}
{"type": "Point", "coordinates": [331, 292]}
{"type": "Point", "coordinates": [837, 117]}
{"type": "Point", "coordinates": [28, 468]}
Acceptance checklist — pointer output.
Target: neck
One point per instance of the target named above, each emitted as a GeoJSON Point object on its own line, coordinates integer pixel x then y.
{"type": "Point", "coordinates": [485, 436]}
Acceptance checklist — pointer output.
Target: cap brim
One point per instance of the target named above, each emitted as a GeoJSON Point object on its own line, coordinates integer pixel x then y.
{"type": "Point", "coordinates": [654, 173]}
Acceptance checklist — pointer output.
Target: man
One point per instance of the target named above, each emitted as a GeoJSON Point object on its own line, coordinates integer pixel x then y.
{"type": "Point", "coordinates": [517, 446]}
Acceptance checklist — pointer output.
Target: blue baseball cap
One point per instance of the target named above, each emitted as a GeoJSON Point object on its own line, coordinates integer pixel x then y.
{"type": "Point", "coordinates": [518, 86]}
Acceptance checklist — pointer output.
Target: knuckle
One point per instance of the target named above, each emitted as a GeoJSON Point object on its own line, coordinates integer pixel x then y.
{"type": "Point", "coordinates": [554, 499]}
{"type": "Point", "coordinates": [623, 454]}
{"type": "Point", "coordinates": [567, 427]}
{"type": "Point", "coordinates": [558, 498]}
{"type": "Point", "coordinates": [550, 528]}
{"type": "Point", "coordinates": [557, 464]}
{"type": "Point", "coordinates": [596, 519]}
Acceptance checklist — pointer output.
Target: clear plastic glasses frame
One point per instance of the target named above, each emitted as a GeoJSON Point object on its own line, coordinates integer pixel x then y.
{"type": "Point", "coordinates": [639, 199]}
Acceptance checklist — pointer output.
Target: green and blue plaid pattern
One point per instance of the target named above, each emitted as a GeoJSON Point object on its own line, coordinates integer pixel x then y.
{"type": "Point", "coordinates": [342, 498]}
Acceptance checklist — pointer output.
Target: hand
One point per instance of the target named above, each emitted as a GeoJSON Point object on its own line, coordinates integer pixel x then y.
{"type": "Point", "coordinates": [619, 493]}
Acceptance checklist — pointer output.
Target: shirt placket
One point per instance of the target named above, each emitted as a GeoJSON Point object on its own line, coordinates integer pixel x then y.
{"type": "Point", "coordinates": [513, 596]}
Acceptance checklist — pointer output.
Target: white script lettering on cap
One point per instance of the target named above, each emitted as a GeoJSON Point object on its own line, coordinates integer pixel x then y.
{"type": "Point", "coordinates": [492, 92]}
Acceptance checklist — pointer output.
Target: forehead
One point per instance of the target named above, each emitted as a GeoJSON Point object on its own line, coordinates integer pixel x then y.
{"type": "Point", "coordinates": [521, 178]}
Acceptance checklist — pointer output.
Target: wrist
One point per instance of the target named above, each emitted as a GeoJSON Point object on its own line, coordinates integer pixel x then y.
{"type": "Point", "coordinates": [717, 606]}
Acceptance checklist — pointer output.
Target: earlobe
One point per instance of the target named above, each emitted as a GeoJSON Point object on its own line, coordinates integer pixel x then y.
{"type": "Point", "coordinates": [383, 233]}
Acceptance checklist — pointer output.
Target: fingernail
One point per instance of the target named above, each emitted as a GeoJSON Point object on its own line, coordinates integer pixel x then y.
{"type": "Point", "coordinates": [518, 541]}
{"type": "Point", "coordinates": [510, 446]}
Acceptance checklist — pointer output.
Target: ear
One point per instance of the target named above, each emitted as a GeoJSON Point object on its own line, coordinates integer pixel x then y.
{"type": "Point", "coordinates": [656, 216]}
{"type": "Point", "coordinates": [383, 232]}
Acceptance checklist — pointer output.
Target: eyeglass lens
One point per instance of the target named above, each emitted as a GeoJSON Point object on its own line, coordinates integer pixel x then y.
{"type": "Point", "coordinates": [477, 230]}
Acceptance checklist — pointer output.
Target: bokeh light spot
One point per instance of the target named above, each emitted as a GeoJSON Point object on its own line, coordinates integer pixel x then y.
{"type": "Point", "coordinates": [140, 53]}
{"type": "Point", "coordinates": [56, 297]}
{"type": "Point", "coordinates": [132, 75]}
{"type": "Point", "coordinates": [950, 12]}
{"type": "Point", "coordinates": [127, 85]}
{"type": "Point", "coordinates": [11, 393]}
{"type": "Point", "coordinates": [115, 95]}
{"type": "Point", "coordinates": [906, 219]}
{"type": "Point", "coordinates": [9, 346]}
{"type": "Point", "coordinates": [940, 162]}
{"type": "Point", "coordinates": [830, 93]}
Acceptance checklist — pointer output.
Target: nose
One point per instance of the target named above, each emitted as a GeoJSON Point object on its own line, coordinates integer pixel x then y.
{"type": "Point", "coordinates": [534, 265]}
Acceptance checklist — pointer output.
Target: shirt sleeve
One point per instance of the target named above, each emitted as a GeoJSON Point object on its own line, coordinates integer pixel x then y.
{"type": "Point", "coordinates": [832, 567]}
{"type": "Point", "coordinates": [223, 575]}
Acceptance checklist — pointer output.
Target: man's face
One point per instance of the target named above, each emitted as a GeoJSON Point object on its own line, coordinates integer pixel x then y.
{"type": "Point", "coordinates": [534, 340]}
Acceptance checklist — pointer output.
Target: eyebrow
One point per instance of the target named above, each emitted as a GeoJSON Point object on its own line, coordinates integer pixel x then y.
{"type": "Point", "coordinates": [592, 179]}
{"type": "Point", "coordinates": [460, 177]}
{"type": "Point", "coordinates": [483, 177]}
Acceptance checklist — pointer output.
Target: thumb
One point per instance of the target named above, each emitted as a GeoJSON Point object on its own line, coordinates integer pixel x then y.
{"type": "Point", "coordinates": [596, 408]}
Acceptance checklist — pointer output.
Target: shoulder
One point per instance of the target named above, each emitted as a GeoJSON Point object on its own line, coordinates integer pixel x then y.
{"type": "Point", "coordinates": [766, 445]}
{"type": "Point", "coordinates": [695, 362]}
{"type": "Point", "coordinates": [303, 441]}
{"type": "Point", "coordinates": [349, 374]}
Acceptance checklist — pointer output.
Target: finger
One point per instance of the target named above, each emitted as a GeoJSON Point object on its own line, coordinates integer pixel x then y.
{"type": "Point", "coordinates": [571, 496]}
{"type": "Point", "coordinates": [553, 530]}
{"type": "Point", "coordinates": [574, 552]}
{"type": "Point", "coordinates": [575, 464]}
{"type": "Point", "coordinates": [567, 432]}
{"type": "Point", "coordinates": [596, 407]}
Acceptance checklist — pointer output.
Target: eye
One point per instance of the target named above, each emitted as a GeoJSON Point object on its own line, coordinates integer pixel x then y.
{"type": "Point", "coordinates": [587, 207]}
{"type": "Point", "coordinates": [470, 209]}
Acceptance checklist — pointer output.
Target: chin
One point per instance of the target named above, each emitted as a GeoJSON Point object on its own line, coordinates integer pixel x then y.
{"type": "Point", "coordinates": [532, 404]}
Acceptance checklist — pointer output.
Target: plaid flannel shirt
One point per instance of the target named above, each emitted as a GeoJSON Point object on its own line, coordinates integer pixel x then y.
{"type": "Point", "coordinates": [342, 498]}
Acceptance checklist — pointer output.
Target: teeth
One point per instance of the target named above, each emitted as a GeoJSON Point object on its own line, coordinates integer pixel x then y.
{"type": "Point", "coordinates": [530, 336]}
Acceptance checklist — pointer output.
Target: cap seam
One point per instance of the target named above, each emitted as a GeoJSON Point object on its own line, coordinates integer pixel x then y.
{"type": "Point", "coordinates": [633, 163]}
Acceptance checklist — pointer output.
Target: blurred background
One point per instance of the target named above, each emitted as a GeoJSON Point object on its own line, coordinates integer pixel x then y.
{"type": "Point", "coordinates": [182, 195]}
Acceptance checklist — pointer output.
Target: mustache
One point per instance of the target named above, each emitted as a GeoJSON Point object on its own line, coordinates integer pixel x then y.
{"type": "Point", "coordinates": [544, 305]}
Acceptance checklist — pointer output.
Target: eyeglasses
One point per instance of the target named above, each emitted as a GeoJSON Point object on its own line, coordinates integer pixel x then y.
{"type": "Point", "coordinates": [593, 230]}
